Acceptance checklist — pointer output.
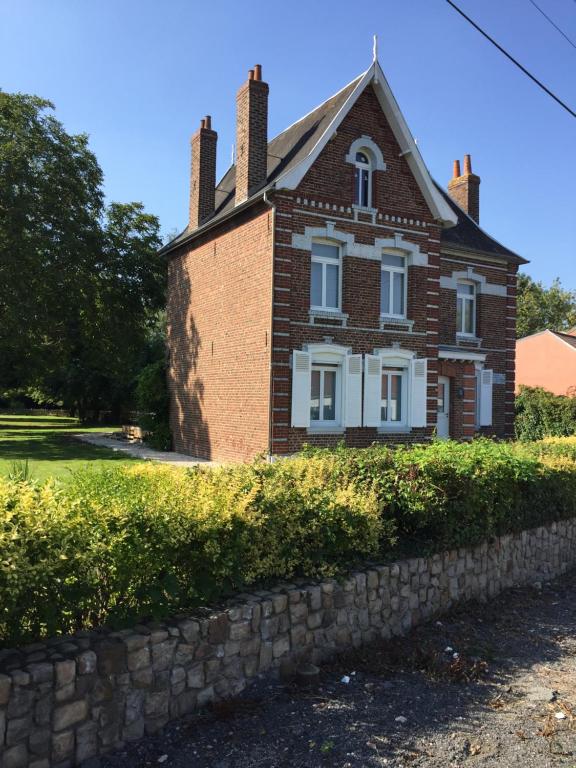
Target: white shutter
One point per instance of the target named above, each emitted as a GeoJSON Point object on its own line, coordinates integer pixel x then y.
{"type": "Point", "coordinates": [419, 392]}
{"type": "Point", "coordinates": [372, 390]}
{"type": "Point", "coordinates": [353, 389]}
{"type": "Point", "coordinates": [300, 389]}
{"type": "Point", "coordinates": [486, 378]}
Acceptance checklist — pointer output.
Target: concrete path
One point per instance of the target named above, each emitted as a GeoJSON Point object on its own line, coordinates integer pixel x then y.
{"type": "Point", "coordinates": [141, 451]}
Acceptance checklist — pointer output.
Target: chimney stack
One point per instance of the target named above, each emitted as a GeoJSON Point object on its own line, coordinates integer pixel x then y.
{"type": "Point", "coordinates": [202, 173]}
{"type": "Point", "coordinates": [251, 135]}
{"type": "Point", "coordinates": [465, 189]}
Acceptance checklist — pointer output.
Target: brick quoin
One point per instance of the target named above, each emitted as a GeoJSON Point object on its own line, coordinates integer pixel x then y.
{"type": "Point", "coordinates": [239, 295]}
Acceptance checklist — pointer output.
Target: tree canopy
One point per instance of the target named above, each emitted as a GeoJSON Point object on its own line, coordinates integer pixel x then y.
{"type": "Point", "coordinates": [81, 283]}
{"type": "Point", "coordinates": [541, 308]}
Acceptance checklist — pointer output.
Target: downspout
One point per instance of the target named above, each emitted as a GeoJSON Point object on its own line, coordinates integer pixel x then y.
{"type": "Point", "coordinates": [272, 206]}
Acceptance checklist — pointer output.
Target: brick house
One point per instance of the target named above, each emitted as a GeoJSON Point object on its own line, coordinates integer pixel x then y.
{"type": "Point", "coordinates": [328, 290]}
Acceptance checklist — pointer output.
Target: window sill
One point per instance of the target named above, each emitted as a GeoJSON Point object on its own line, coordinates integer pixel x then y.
{"type": "Point", "coordinates": [399, 322]}
{"type": "Point", "coordinates": [328, 314]}
{"type": "Point", "coordinates": [364, 209]}
{"type": "Point", "coordinates": [326, 430]}
{"type": "Point", "coordinates": [402, 430]}
{"type": "Point", "coordinates": [464, 338]}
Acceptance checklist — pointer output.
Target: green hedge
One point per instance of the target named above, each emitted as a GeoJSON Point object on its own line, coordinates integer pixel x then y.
{"type": "Point", "coordinates": [540, 414]}
{"type": "Point", "coordinates": [140, 541]}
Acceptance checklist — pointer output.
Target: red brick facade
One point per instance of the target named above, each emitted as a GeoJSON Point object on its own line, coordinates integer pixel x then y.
{"type": "Point", "coordinates": [239, 305]}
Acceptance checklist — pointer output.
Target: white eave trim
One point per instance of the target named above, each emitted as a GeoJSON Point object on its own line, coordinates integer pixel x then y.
{"type": "Point", "coordinates": [459, 354]}
{"type": "Point", "coordinates": [438, 206]}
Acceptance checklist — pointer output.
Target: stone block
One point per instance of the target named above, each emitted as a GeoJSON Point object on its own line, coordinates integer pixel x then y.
{"type": "Point", "coordinates": [266, 655]}
{"type": "Point", "coordinates": [158, 635]}
{"type": "Point", "coordinates": [138, 659]}
{"type": "Point", "coordinates": [136, 642]}
{"type": "Point", "coordinates": [156, 704]}
{"type": "Point", "coordinates": [218, 626]}
{"type": "Point", "coordinates": [5, 686]}
{"type": "Point", "coordinates": [41, 673]}
{"type": "Point", "coordinates": [298, 636]}
{"type": "Point", "coordinates": [280, 646]}
{"type": "Point", "coordinates": [314, 595]}
{"type": "Point", "coordinates": [65, 672]}
{"type": "Point", "coordinates": [251, 666]}
{"type": "Point", "coordinates": [163, 654]}
{"type": "Point", "coordinates": [135, 731]}
{"type": "Point", "coordinates": [184, 654]}
{"type": "Point", "coordinates": [69, 714]}
{"type": "Point", "coordinates": [40, 742]}
{"type": "Point", "coordinates": [86, 663]}
{"type": "Point", "coordinates": [205, 696]}
{"type": "Point", "coordinates": [20, 702]}
{"type": "Point", "coordinates": [15, 757]}
{"type": "Point", "coordinates": [62, 746]}
{"type": "Point", "coordinates": [18, 729]}
{"type": "Point", "coordinates": [195, 676]}
{"type": "Point", "coordinates": [269, 627]}
{"type": "Point", "coordinates": [280, 603]}
{"type": "Point", "coordinates": [190, 630]}
{"type": "Point", "coordinates": [142, 678]}
{"type": "Point", "coordinates": [212, 669]}
{"type": "Point", "coordinates": [240, 630]}
{"type": "Point", "coordinates": [298, 612]}
{"type": "Point", "coordinates": [314, 620]}
{"type": "Point", "coordinates": [112, 656]}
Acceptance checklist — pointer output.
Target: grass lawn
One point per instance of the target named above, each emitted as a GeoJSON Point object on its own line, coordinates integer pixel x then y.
{"type": "Point", "coordinates": [47, 443]}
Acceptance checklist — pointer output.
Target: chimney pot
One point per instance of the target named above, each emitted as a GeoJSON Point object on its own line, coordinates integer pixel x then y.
{"type": "Point", "coordinates": [465, 189]}
{"type": "Point", "coordinates": [203, 174]}
{"type": "Point", "coordinates": [251, 135]}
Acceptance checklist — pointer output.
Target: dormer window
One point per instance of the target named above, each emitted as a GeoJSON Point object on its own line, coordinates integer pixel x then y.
{"type": "Point", "coordinates": [363, 180]}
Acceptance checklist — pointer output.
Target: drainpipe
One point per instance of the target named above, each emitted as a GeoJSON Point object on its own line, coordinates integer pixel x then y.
{"type": "Point", "coordinates": [272, 206]}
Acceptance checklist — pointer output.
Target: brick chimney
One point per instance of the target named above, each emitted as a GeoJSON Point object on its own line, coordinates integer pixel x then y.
{"type": "Point", "coordinates": [251, 135]}
{"type": "Point", "coordinates": [202, 173]}
{"type": "Point", "coordinates": [465, 189]}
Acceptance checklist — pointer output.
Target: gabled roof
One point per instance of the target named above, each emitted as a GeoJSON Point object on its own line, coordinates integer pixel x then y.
{"type": "Point", "coordinates": [292, 153]}
{"type": "Point", "coordinates": [567, 338]}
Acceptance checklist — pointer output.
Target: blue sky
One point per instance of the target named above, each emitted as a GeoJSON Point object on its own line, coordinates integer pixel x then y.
{"type": "Point", "coordinates": [137, 76]}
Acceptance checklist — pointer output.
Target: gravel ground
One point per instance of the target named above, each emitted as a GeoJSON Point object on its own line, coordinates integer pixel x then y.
{"type": "Point", "coordinates": [507, 698]}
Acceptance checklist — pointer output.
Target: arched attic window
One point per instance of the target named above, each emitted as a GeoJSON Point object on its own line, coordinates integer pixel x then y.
{"type": "Point", "coordinates": [363, 180]}
{"type": "Point", "coordinates": [366, 157]}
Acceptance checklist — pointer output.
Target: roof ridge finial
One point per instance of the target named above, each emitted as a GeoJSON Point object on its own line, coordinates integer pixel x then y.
{"type": "Point", "coordinates": [375, 49]}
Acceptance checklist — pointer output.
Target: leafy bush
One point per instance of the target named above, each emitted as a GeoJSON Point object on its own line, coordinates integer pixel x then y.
{"type": "Point", "coordinates": [153, 400]}
{"type": "Point", "coordinates": [540, 413]}
{"type": "Point", "coordinates": [145, 541]}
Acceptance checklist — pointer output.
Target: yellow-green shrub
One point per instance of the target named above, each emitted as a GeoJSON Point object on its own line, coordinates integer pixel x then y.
{"type": "Point", "coordinates": [116, 545]}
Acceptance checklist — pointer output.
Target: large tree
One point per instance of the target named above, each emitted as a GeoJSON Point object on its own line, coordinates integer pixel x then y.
{"type": "Point", "coordinates": [80, 283]}
{"type": "Point", "coordinates": [541, 308]}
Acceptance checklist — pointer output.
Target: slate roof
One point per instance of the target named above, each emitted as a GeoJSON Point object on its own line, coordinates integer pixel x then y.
{"type": "Point", "coordinates": [565, 337]}
{"type": "Point", "coordinates": [295, 143]}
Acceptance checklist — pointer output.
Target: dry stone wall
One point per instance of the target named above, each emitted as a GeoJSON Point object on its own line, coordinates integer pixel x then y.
{"type": "Point", "coordinates": [67, 700]}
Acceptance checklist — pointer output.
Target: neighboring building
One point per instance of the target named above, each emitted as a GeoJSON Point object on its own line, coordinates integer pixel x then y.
{"type": "Point", "coordinates": [328, 290]}
{"type": "Point", "coordinates": [547, 359]}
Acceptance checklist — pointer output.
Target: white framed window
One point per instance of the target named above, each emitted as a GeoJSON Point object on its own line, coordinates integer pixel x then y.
{"type": "Point", "coordinates": [393, 285]}
{"type": "Point", "coordinates": [362, 180]}
{"type": "Point", "coordinates": [394, 403]}
{"type": "Point", "coordinates": [325, 395]}
{"type": "Point", "coordinates": [325, 276]}
{"type": "Point", "coordinates": [466, 308]}
{"type": "Point", "coordinates": [326, 388]}
{"type": "Point", "coordinates": [395, 390]}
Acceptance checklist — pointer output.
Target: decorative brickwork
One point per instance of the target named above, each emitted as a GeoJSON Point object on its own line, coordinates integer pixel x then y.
{"type": "Point", "coordinates": [73, 698]}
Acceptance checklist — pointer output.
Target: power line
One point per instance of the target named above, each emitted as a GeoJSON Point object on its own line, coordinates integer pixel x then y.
{"type": "Point", "coordinates": [553, 23]}
{"type": "Point", "coordinates": [512, 59]}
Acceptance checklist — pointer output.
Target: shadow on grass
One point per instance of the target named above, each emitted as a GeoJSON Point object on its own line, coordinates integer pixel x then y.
{"type": "Point", "coordinates": [54, 447]}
